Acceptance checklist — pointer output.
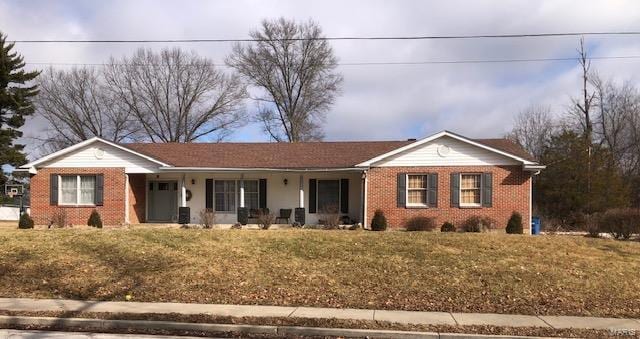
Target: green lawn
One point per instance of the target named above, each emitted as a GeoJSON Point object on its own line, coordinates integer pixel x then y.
{"type": "Point", "coordinates": [390, 270]}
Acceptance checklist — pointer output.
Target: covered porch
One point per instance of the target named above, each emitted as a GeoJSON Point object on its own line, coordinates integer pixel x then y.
{"type": "Point", "coordinates": [302, 195]}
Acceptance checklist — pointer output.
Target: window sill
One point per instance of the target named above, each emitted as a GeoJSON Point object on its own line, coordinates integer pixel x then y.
{"type": "Point", "coordinates": [471, 206]}
{"type": "Point", "coordinates": [77, 206]}
{"type": "Point", "coordinates": [417, 207]}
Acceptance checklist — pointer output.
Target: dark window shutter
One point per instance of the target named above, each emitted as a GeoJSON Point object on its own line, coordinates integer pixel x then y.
{"type": "Point", "coordinates": [99, 196]}
{"type": "Point", "coordinates": [208, 191]}
{"type": "Point", "coordinates": [487, 189]}
{"type": "Point", "coordinates": [262, 193]}
{"type": "Point", "coordinates": [53, 189]}
{"type": "Point", "coordinates": [344, 195]}
{"type": "Point", "coordinates": [455, 189]}
{"type": "Point", "coordinates": [432, 190]}
{"type": "Point", "coordinates": [312, 196]}
{"type": "Point", "coordinates": [402, 190]}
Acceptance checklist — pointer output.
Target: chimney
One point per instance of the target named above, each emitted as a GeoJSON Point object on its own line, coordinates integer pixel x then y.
{"type": "Point", "coordinates": [412, 139]}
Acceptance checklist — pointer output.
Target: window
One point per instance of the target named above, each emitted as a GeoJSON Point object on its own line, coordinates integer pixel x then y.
{"type": "Point", "coordinates": [470, 185]}
{"type": "Point", "coordinates": [417, 190]}
{"type": "Point", "coordinates": [77, 190]}
{"type": "Point", "coordinates": [225, 195]}
{"type": "Point", "coordinates": [328, 195]}
{"type": "Point", "coordinates": [251, 197]}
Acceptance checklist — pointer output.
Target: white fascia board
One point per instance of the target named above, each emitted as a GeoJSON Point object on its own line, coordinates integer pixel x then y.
{"type": "Point", "coordinates": [437, 136]}
{"type": "Point", "coordinates": [89, 142]}
{"type": "Point", "coordinates": [229, 169]}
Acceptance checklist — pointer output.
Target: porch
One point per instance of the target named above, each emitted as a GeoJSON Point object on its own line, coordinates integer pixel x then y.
{"type": "Point", "coordinates": [156, 198]}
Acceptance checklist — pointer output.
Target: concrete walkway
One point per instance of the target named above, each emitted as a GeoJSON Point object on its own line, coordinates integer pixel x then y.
{"type": "Point", "coordinates": [403, 317]}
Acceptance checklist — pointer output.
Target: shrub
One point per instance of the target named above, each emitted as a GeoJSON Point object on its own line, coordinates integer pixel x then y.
{"type": "Point", "coordinates": [207, 218]}
{"type": "Point", "coordinates": [621, 223]}
{"type": "Point", "coordinates": [514, 225]}
{"type": "Point", "coordinates": [25, 221]}
{"type": "Point", "coordinates": [59, 218]}
{"type": "Point", "coordinates": [265, 220]}
{"type": "Point", "coordinates": [592, 225]}
{"type": "Point", "coordinates": [478, 224]}
{"type": "Point", "coordinates": [94, 219]}
{"type": "Point", "coordinates": [420, 224]}
{"type": "Point", "coordinates": [379, 221]}
{"type": "Point", "coordinates": [330, 217]}
{"type": "Point", "coordinates": [447, 227]}
{"type": "Point", "coordinates": [236, 226]}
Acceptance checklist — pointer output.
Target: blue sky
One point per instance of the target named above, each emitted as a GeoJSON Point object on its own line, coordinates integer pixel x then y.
{"type": "Point", "coordinates": [377, 102]}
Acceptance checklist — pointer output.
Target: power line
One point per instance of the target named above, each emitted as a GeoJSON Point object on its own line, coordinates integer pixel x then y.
{"type": "Point", "coordinates": [423, 37]}
{"type": "Point", "coordinates": [390, 63]}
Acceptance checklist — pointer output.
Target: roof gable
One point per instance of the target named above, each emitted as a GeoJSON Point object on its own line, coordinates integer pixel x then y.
{"type": "Point", "coordinates": [502, 147]}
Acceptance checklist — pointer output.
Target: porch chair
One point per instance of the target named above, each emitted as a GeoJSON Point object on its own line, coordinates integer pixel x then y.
{"type": "Point", "coordinates": [285, 214]}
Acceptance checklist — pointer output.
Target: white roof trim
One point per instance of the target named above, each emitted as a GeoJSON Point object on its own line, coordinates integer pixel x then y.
{"type": "Point", "coordinates": [85, 143]}
{"type": "Point", "coordinates": [437, 136]}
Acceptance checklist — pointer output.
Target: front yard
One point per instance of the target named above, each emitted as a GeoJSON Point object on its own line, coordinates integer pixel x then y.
{"type": "Point", "coordinates": [556, 275]}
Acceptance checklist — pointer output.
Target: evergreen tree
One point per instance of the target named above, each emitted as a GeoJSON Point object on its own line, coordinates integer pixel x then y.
{"type": "Point", "coordinates": [15, 103]}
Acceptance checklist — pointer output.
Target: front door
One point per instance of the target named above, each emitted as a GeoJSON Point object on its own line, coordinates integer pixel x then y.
{"type": "Point", "coordinates": [163, 201]}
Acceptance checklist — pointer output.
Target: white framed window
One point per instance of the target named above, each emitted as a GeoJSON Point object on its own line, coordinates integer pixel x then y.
{"type": "Point", "coordinates": [225, 195]}
{"type": "Point", "coordinates": [470, 189]}
{"type": "Point", "coordinates": [417, 190]}
{"type": "Point", "coordinates": [77, 190]}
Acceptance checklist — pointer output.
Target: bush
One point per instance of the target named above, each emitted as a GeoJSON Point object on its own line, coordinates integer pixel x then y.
{"type": "Point", "coordinates": [25, 222]}
{"type": "Point", "coordinates": [379, 221]}
{"type": "Point", "coordinates": [592, 225]}
{"type": "Point", "coordinates": [207, 218]}
{"type": "Point", "coordinates": [265, 220]}
{"type": "Point", "coordinates": [477, 224]}
{"type": "Point", "coordinates": [330, 217]}
{"type": "Point", "coordinates": [621, 223]}
{"type": "Point", "coordinates": [236, 226]}
{"type": "Point", "coordinates": [514, 225]}
{"type": "Point", "coordinates": [59, 218]}
{"type": "Point", "coordinates": [447, 227]}
{"type": "Point", "coordinates": [420, 224]}
{"type": "Point", "coordinates": [94, 219]}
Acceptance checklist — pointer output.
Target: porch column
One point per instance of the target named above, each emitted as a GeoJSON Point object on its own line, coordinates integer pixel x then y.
{"type": "Point", "coordinates": [364, 200]}
{"type": "Point", "coordinates": [126, 198]}
{"type": "Point", "coordinates": [183, 192]}
{"type": "Point", "coordinates": [301, 192]}
{"type": "Point", "coordinates": [242, 190]}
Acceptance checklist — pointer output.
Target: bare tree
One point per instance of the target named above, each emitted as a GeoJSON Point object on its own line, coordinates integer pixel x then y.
{"type": "Point", "coordinates": [533, 129]}
{"type": "Point", "coordinates": [295, 69]}
{"type": "Point", "coordinates": [177, 96]}
{"type": "Point", "coordinates": [617, 121]}
{"type": "Point", "coordinates": [77, 106]}
{"type": "Point", "coordinates": [583, 104]}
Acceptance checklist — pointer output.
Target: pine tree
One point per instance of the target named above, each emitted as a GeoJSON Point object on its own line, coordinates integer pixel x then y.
{"type": "Point", "coordinates": [15, 102]}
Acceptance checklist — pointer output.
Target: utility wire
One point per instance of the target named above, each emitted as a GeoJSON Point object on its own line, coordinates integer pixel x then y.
{"type": "Point", "coordinates": [390, 63]}
{"type": "Point", "coordinates": [423, 37]}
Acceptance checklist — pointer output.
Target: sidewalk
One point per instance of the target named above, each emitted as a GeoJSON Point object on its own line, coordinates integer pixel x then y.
{"type": "Point", "coordinates": [403, 317]}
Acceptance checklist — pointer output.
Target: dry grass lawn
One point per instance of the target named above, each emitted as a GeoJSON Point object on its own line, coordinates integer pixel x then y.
{"type": "Point", "coordinates": [555, 275]}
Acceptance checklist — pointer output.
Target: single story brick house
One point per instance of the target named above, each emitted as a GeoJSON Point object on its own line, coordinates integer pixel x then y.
{"type": "Point", "coordinates": [446, 176]}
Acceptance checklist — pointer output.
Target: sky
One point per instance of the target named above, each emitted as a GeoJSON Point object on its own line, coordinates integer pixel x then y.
{"type": "Point", "coordinates": [377, 102]}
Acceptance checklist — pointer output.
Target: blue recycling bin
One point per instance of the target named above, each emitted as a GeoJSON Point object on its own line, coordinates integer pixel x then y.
{"type": "Point", "coordinates": [535, 225]}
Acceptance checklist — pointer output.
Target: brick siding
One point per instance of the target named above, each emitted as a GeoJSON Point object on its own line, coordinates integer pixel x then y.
{"type": "Point", "coordinates": [510, 193]}
{"type": "Point", "coordinates": [112, 211]}
{"type": "Point", "coordinates": [137, 198]}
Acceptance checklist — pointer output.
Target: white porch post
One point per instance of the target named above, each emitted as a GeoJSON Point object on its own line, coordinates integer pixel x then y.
{"type": "Point", "coordinates": [126, 198]}
{"type": "Point", "coordinates": [183, 192]}
{"type": "Point", "coordinates": [364, 199]}
{"type": "Point", "coordinates": [242, 190]}
{"type": "Point", "coordinates": [301, 192]}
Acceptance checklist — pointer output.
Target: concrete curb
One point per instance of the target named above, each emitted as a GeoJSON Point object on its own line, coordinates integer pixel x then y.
{"type": "Point", "coordinates": [285, 331]}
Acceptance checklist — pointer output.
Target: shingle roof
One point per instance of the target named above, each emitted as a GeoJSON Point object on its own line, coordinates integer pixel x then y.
{"type": "Point", "coordinates": [307, 155]}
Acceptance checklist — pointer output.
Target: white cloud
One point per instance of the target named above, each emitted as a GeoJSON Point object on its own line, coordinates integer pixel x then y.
{"type": "Point", "coordinates": [378, 102]}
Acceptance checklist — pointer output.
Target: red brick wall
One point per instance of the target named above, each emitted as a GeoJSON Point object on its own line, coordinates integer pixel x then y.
{"type": "Point", "coordinates": [137, 198]}
{"type": "Point", "coordinates": [510, 193]}
{"type": "Point", "coordinates": [112, 211]}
